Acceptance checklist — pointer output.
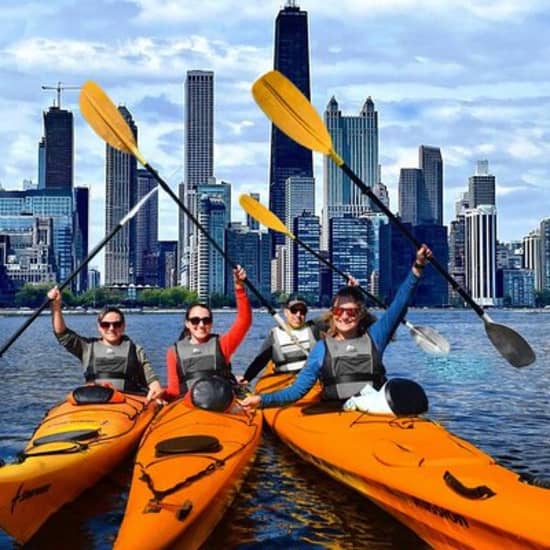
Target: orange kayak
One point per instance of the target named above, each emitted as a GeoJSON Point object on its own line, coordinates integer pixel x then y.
{"type": "Point", "coordinates": [189, 467]}
{"type": "Point", "coordinates": [447, 491]}
{"type": "Point", "coordinates": [74, 446]}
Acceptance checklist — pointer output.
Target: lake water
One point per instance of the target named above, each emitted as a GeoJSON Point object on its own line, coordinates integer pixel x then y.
{"type": "Point", "coordinates": [284, 502]}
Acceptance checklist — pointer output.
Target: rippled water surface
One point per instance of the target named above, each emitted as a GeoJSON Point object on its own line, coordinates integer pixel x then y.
{"type": "Point", "coordinates": [284, 502]}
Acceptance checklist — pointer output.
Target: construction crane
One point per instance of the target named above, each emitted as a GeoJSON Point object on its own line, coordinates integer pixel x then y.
{"type": "Point", "coordinates": [60, 86]}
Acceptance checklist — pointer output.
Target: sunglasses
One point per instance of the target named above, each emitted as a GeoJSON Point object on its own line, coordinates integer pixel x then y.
{"type": "Point", "coordinates": [298, 309]}
{"type": "Point", "coordinates": [196, 320]}
{"type": "Point", "coordinates": [107, 324]}
{"type": "Point", "coordinates": [351, 311]}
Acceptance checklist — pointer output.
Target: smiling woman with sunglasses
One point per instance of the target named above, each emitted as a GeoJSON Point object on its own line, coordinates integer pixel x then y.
{"type": "Point", "coordinates": [199, 354]}
{"type": "Point", "coordinates": [110, 359]}
{"type": "Point", "coordinates": [350, 356]}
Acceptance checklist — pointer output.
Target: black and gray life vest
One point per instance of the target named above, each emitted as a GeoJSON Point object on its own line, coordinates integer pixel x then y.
{"type": "Point", "coordinates": [197, 360]}
{"type": "Point", "coordinates": [115, 365]}
{"type": "Point", "coordinates": [286, 354]}
{"type": "Point", "coordinates": [349, 365]}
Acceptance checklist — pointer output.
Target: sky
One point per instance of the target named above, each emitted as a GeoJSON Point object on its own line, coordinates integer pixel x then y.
{"type": "Point", "coordinates": [471, 77]}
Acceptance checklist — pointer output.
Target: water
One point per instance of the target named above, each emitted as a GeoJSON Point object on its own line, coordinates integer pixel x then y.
{"type": "Point", "coordinates": [284, 501]}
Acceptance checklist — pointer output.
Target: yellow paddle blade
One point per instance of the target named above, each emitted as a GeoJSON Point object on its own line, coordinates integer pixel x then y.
{"type": "Point", "coordinates": [102, 115]}
{"type": "Point", "coordinates": [286, 106]}
{"type": "Point", "coordinates": [262, 215]}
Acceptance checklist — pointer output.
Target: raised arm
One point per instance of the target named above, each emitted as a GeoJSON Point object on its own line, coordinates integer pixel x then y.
{"type": "Point", "coordinates": [54, 295]}
{"type": "Point", "coordinates": [231, 340]}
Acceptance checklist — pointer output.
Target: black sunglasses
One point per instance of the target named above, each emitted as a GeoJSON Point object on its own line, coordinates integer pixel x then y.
{"type": "Point", "coordinates": [298, 309]}
{"type": "Point", "coordinates": [107, 324]}
{"type": "Point", "coordinates": [196, 320]}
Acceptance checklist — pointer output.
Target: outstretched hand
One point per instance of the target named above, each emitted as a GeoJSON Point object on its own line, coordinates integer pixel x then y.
{"type": "Point", "coordinates": [250, 403]}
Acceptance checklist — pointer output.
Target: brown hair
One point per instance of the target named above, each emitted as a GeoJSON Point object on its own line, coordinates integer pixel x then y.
{"type": "Point", "coordinates": [365, 318]}
{"type": "Point", "coordinates": [110, 309]}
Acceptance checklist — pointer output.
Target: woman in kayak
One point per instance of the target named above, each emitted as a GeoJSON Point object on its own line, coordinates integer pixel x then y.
{"type": "Point", "coordinates": [200, 355]}
{"type": "Point", "coordinates": [350, 356]}
{"type": "Point", "coordinates": [110, 359]}
{"type": "Point", "coordinates": [289, 351]}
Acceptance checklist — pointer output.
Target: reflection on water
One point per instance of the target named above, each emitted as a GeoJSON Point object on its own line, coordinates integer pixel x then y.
{"type": "Point", "coordinates": [285, 502]}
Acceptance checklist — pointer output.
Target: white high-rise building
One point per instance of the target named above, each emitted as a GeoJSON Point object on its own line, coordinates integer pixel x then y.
{"type": "Point", "coordinates": [356, 138]}
{"type": "Point", "coordinates": [532, 257]}
{"type": "Point", "coordinates": [120, 192]}
{"type": "Point", "coordinates": [198, 163]}
{"type": "Point", "coordinates": [480, 254]}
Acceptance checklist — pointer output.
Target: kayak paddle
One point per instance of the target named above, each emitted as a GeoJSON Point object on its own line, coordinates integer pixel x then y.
{"type": "Point", "coordinates": [294, 115]}
{"type": "Point", "coordinates": [84, 263]}
{"type": "Point", "coordinates": [105, 119]}
{"type": "Point", "coordinates": [427, 338]}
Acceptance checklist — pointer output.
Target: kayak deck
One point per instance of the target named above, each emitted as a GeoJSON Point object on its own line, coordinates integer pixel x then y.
{"type": "Point", "coordinates": [180, 492]}
{"type": "Point", "coordinates": [446, 490]}
{"type": "Point", "coordinates": [73, 447]}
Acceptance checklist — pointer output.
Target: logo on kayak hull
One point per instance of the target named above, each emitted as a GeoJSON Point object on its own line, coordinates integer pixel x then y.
{"type": "Point", "coordinates": [22, 495]}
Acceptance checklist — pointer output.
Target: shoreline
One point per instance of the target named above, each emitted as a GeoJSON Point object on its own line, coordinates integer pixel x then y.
{"type": "Point", "coordinates": [25, 311]}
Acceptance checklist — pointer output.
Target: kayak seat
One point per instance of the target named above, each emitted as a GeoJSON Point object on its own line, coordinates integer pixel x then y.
{"type": "Point", "coordinates": [95, 394]}
{"type": "Point", "coordinates": [391, 453]}
{"type": "Point", "coordinates": [188, 444]}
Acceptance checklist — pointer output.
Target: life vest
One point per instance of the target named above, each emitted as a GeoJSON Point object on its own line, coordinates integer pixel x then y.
{"type": "Point", "coordinates": [199, 360]}
{"type": "Point", "coordinates": [349, 365]}
{"type": "Point", "coordinates": [118, 366]}
{"type": "Point", "coordinates": [286, 354]}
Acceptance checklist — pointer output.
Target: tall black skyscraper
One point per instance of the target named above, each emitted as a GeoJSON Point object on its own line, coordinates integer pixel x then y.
{"type": "Point", "coordinates": [58, 144]}
{"type": "Point", "coordinates": [291, 57]}
{"type": "Point", "coordinates": [80, 231]}
{"type": "Point", "coordinates": [431, 164]}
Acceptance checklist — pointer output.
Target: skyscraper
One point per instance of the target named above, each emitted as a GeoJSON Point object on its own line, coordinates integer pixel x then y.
{"type": "Point", "coordinates": [481, 186]}
{"type": "Point", "coordinates": [58, 147]}
{"type": "Point", "coordinates": [356, 137]}
{"type": "Point", "coordinates": [198, 161]}
{"type": "Point", "coordinates": [146, 225]}
{"type": "Point", "coordinates": [291, 57]}
{"type": "Point", "coordinates": [211, 264]}
{"type": "Point", "coordinates": [480, 245]}
{"type": "Point", "coordinates": [307, 275]}
{"type": "Point", "coordinates": [81, 230]}
{"type": "Point", "coordinates": [431, 164]}
{"type": "Point", "coordinates": [299, 198]}
{"type": "Point", "coordinates": [411, 183]}
{"type": "Point", "coordinates": [120, 189]}
{"type": "Point", "coordinates": [532, 257]}
{"type": "Point", "coordinates": [253, 223]}
{"type": "Point", "coordinates": [348, 243]}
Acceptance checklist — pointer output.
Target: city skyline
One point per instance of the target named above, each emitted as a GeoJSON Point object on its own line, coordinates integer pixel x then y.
{"type": "Point", "coordinates": [474, 104]}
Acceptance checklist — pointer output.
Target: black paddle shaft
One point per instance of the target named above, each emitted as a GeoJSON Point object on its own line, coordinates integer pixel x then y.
{"type": "Point", "coordinates": [46, 302]}
{"type": "Point", "coordinates": [443, 272]}
{"type": "Point", "coordinates": [233, 264]}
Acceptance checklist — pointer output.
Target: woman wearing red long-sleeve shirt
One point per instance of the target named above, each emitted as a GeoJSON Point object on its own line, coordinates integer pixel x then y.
{"type": "Point", "coordinates": [200, 359]}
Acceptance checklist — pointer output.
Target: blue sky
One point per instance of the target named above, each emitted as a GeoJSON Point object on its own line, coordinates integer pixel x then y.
{"type": "Point", "coordinates": [471, 77]}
